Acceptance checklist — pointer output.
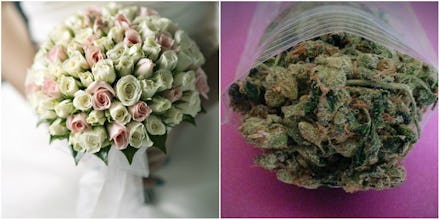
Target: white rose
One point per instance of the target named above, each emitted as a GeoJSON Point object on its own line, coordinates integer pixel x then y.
{"type": "Point", "coordinates": [45, 109]}
{"type": "Point", "coordinates": [96, 117]}
{"type": "Point", "coordinates": [104, 43]}
{"type": "Point", "coordinates": [93, 140]}
{"type": "Point", "coordinates": [125, 66]}
{"type": "Point", "coordinates": [138, 136]}
{"type": "Point", "coordinates": [128, 90]}
{"type": "Point", "coordinates": [67, 85]}
{"type": "Point", "coordinates": [86, 78]}
{"type": "Point", "coordinates": [75, 64]}
{"type": "Point", "coordinates": [61, 35]}
{"type": "Point", "coordinates": [83, 34]}
{"type": "Point", "coordinates": [103, 70]}
{"type": "Point", "coordinates": [146, 27]}
{"type": "Point", "coordinates": [155, 126]}
{"type": "Point", "coordinates": [117, 52]}
{"type": "Point", "coordinates": [184, 61]}
{"type": "Point", "coordinates": [64, 108]}
{"type": "Point", "coordinates": [164, 24]}
{"type": "Point", "coordinates": [160, 104]}
{"type": "Point", "coordinates": [149, 88]}
{"type": "Point", "coordinates": [74, 141]}
{"type": "Point", "coordinates": [82, 100]}
{"type": "Point", "coordinates": [55, 70]}
{"type": "Point", "coordinates": [58, 127]}
{"type": "Point", "coordinates": [173, 117]}
{"type": "Point", "coordinates": [191, 104]}
{"type": "Point", "coordinates": [73, 47]}
{"type": "Point", "coordinates": [185, 80]}
{"type": "Point", "coordinates": [163, 79]}
{"type": "Point", "coordinates": [168, 60]}
{"type": "Point", "coordinates": [135, 52]}
{"type": "Point", "coordinates": [75, 22]}
{"type": "Point", "coordinates": [119, 113]}
{"type": "Point", "coordinates": [151, 48]}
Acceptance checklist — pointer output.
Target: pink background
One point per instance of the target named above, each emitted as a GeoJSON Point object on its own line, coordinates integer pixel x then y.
{"type": "Point", "coordinates": [249, 191]}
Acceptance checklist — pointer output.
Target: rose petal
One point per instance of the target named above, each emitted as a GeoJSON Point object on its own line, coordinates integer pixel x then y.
{"type": "Point", "coordinates": [144, 11]}
{"type": "Point", "coordinates": [119, 134]}
{"type": "Point", "coordinates": [50, 88]}
{"type": "Point", "coordinates": [122, 21]}
{"type": "Point", "coordinates": [77, 123]}
{"type": "Point", "coordinates": [132, 37]}
{"type": "Point", "coordinates": [95, 86]}
{"type": "Point", "coordinates": [57, 53]}
{"type": "Point", "coordinates": [165, 40]}
{"type": "Point", "coordinates": [139, 111]}
{"type": "Point", "coordinates": [202, 82]}
{"type": "Point", "coordinates": [93, 55]}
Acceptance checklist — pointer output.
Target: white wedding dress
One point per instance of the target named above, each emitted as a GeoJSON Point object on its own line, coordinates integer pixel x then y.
{"type": "Point", "coordinates": [41, 180]}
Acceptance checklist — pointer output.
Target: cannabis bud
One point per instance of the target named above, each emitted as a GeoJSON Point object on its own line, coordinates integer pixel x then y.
{"type": "Point", "coordinates": [335, 111]}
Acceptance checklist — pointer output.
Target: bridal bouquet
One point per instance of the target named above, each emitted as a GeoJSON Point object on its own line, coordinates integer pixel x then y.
{"type": "Point", "coordinates": [116, 76]}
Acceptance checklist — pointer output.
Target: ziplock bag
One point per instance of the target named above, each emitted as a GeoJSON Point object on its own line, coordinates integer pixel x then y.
{"type": "Point", "coordinates": [276, 27]}
{"type": "Point", "coordinates": [330, 109]}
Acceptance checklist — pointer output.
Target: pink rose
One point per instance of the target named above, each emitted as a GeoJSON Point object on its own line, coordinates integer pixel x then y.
{"type": "Point", "coordinates": [202, 83]}
{"type": "Point", "coordinates": [57, 53]}
{"type": "Point", "coordinates": [91, 14]}
{"type": "Point", "coordinates": [100, 25]}
{"type": "Point", "coordinates": [90, 40]}
{"type": "Point", "coordinates": [119, 134]}
{"type": "Point", "coordinates": [93, 55]}
{"type": "Point", "coordinates": [139, 111]}
{"type": "Point", "coordinates": [31, 88]}
{"type": "Point", "coordinates": [132, 37]}
{"type": "Point", "coordinates": [102, 93]}
{"type": "Point", "coordinates": [144, 11]}
{"type": "Point", "coordinates": [77, 123]}
{"type": "Point", "coordinates": [144, 67]}
{"type": "Point", "coordinates": [165, 40]}
{"type": "Point", "coordinates": [50, 88]}
{"type": "Point", "coordinates": [122, 21]}
{"type": "Point", "coordinates": [173, 94]}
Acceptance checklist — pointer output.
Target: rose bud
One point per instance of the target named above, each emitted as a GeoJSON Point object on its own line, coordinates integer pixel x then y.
{"type": "Point", "coordinates": [119, 135]}
{"type": "Point", "coordinates": [77, 123]}
{"type": "Point", "coordinates": [165, 40]}
{"type": "Point", "coordinates": [202, 83]}
{"type": "Point", "coordinates": [103, 94]}
{"type": "Point", "coordinates": [56, 54]}
{"type": "Point", "coordinates": [50, 88]}
{"type": "Point", "coordinates": [139, 111]}
{"type": "Point", "coordinates": [132, 37]}
{"type": "Point", "coordinates": [144, 68]}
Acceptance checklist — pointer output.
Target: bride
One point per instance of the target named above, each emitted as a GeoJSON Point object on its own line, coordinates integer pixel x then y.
{"type": "Point", "coordinates": [41, 180]}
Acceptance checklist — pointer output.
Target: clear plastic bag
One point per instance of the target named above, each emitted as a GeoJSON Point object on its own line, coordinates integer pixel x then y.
{"type": "Point", "coordinates": [278, 26]}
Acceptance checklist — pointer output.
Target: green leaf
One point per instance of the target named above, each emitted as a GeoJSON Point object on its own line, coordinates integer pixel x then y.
{"type": "Point", "coordinates": [189, 119]}
{"type": "Point", "coordinates": [103, 154]}
{"type": "Point", "coordinates": [159, 142]}
{"type": "Point", "coordinates": [41, 121]}
{"type": "Point", "coordinates": [76, 155]}
{"type": "Point", "coordinates": [58, 137]}
{"type": "Point", "coordinates": [129, 153]}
